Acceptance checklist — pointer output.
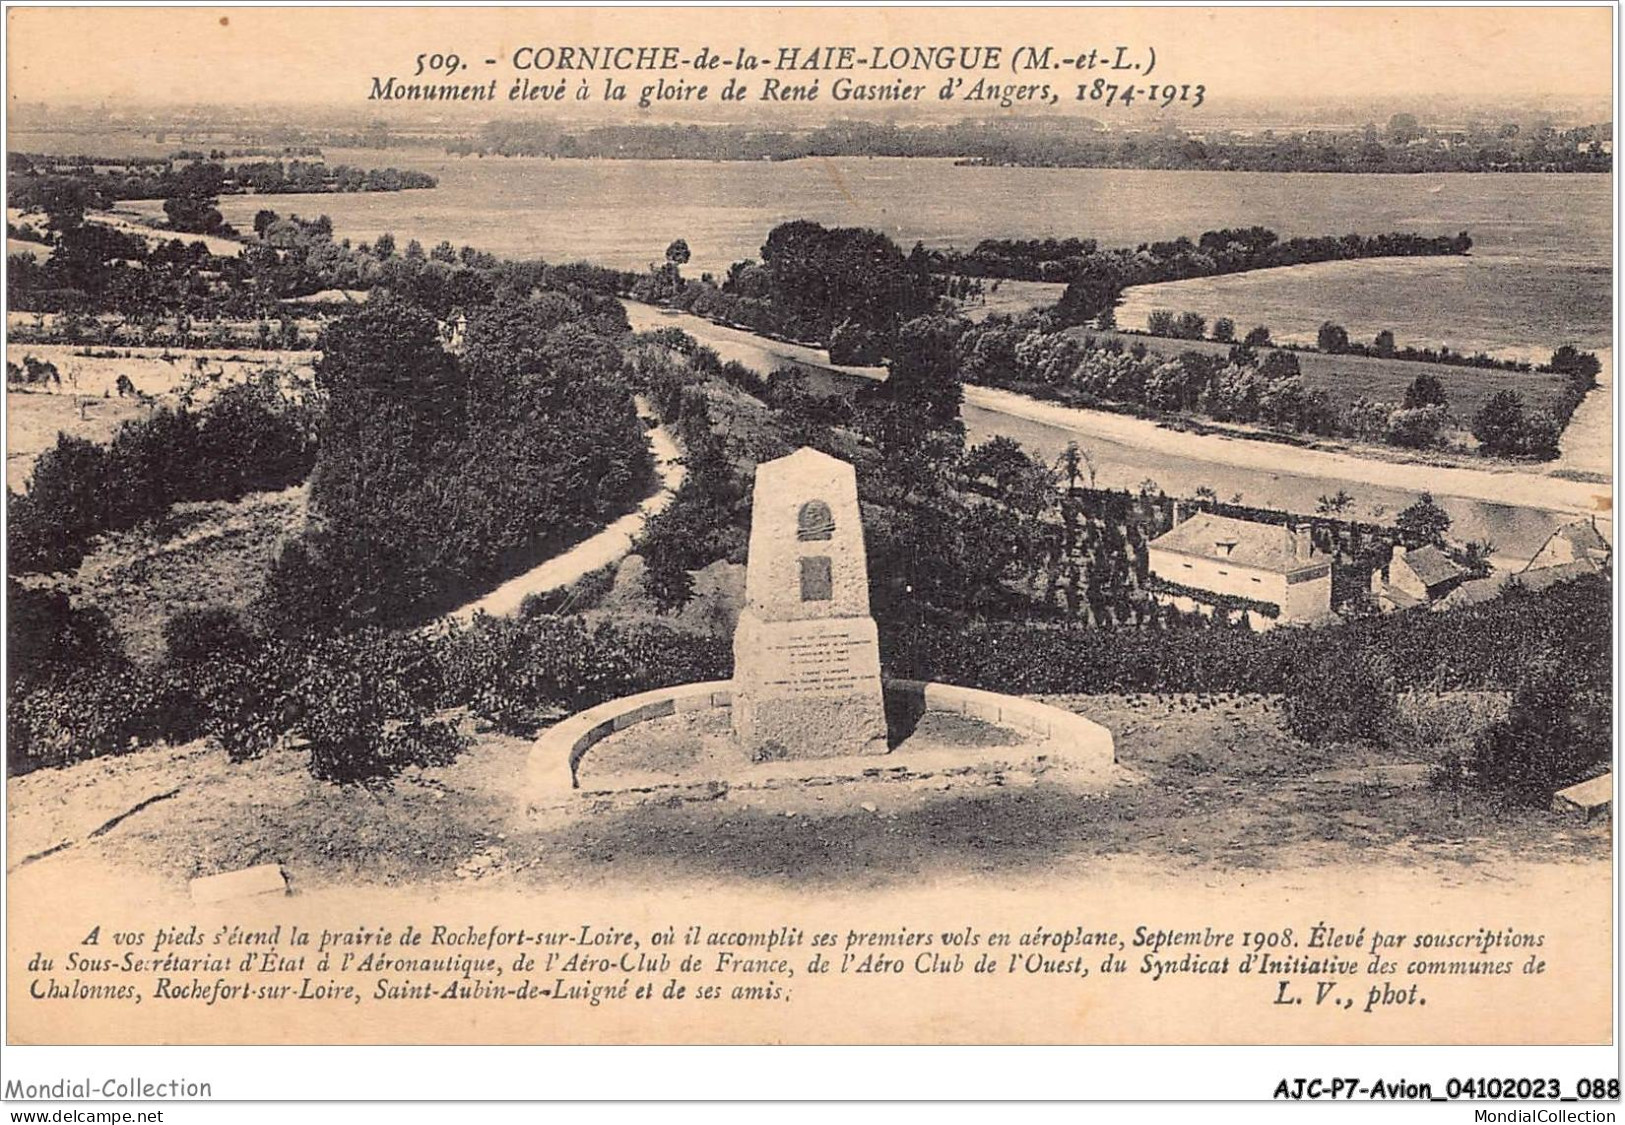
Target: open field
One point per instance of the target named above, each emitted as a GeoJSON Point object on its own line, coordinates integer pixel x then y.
{"type": "Point", "coordinates": [1507, 306]}
{"type": "Point", "coordinates": [33, 421]}
{"type": "Point", "coordinates": [141, 221]}
{"type": "Point", "coordinates": [1348, 377]}
{"type": "Point", "coordinates": [1012, 297]}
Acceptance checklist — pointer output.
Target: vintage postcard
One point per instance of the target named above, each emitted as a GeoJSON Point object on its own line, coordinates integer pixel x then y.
{"type": "Point", "coordinates": [864, 526]}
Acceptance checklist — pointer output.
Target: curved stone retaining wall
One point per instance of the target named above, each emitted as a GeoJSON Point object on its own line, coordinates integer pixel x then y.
{"type": "Point", "coordinates": [555, 759]}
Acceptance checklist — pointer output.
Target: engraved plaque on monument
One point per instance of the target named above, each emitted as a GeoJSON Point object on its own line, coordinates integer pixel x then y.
{"type": "Point", "coordinates": [806, 652]}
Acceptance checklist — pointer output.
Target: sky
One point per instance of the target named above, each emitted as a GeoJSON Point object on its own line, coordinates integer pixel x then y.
{"type": "Point", "coordinates": [328, 56]}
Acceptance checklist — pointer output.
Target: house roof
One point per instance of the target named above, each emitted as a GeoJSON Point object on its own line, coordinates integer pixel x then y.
{"type": "Point", "coordinates": [1432, 566]}
{"type": "Point", "coordinates": [1261, 546]}
{"type": "Point", "coordinates": [1486, 589]}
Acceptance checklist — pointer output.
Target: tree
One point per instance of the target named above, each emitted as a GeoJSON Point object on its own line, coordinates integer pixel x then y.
{"type": "Point", "coordinates": [924, 370]}
{"type": "Point", "coordinates": [1499, 424]}
{"type": "Point", "coordinates": [193, 213]}
{"type": "Point", "coordinates": [1224, 330]}
{"type": "Point", "coordinates": [1403, 128]}
{"type": "Point", "coordinates": [1334, 505]}
{"type": "Point", "coordinates": [1091, 295]}
{"type": "Point", "coordinates": [677, 253]}
{"type": "Point", "coordinates": [1423, 522]}
{"type": "Point", "coordinates": [1569, 360]}
{"type": "Point", "coordinates": [1190, 326]}
{"type": "Point", "coordinates": [1383, 345]}
{"type": "Point", "coordinates": [1333, 339]}
{"type": "Point", "coordinates": [1425, 390]}
{"type": "Point", "coordinates": [1258, 337]}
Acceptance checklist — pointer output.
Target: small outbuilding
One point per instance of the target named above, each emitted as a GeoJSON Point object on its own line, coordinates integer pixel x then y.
{"type": "Point", "coordinates": [1415, 578]}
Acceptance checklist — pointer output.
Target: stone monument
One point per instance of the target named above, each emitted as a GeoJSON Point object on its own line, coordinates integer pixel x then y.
{"type": "Point", "coordinates": [806, 653]}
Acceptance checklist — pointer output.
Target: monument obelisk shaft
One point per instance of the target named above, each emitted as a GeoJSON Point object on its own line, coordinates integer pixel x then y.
{"type": "Point", "coordinates": [806, 652]}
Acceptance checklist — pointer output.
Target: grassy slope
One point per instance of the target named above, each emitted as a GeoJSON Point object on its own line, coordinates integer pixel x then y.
{"type": "Point", "coordinates": [201, 555]}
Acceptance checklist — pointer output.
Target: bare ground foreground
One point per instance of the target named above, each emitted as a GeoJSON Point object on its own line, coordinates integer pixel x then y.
{"type": "Point", "coordinates": [1211, 788]}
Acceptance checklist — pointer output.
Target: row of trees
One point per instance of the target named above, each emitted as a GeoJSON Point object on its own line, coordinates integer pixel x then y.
{"type": "Point", "coordinates": [1215, 252]}
{"type": "Point", "coordinates": [34, 181]}
{"type": "Point", "coordinates": [845, 287]}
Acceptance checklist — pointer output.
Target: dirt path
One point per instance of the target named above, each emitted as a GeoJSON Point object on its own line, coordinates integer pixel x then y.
{"type": "Point", "coordinates": [1587, 445]}
{"type": "Point", "coordinates": [609, 545]}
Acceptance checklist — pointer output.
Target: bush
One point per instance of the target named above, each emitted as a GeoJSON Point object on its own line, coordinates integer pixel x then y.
{"type": "Point", "coordinates": [1553, 737]}
{"type": "Point", "coordinates": [1417, 428]}
{"type": "Point", "coordinates": [363, 702]}
{"type": "Point", "coordinates": [1333, 339]}
{"type": "Point", "coordinates": [200, 634]}
{"type": "Point", "coordinates": [518, 675]}
{"type": "Point", "coordinates": [1349, 700]}
{"type": "Point", "coordinates": [89, 713]}
{"type": "Point", "coordinates": [250, 438]}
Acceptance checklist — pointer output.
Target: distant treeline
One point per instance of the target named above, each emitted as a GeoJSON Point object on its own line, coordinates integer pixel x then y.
{"type": "Point", "coordinates": [97, 269]}
{"type": "Point", "coordinates": [1404, 147]}
{"type": "Point", "coordinates": [1215, 252]}
{"type": "Point", "coordinates": [35, 180]}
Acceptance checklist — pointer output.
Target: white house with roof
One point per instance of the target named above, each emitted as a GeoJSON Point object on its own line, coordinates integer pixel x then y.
{"type": "Point", "coordinates": [1213, 562]}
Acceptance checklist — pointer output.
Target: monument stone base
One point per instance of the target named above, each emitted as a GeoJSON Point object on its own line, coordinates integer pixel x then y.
{"type": "Point", "coordinates": [808, 688]}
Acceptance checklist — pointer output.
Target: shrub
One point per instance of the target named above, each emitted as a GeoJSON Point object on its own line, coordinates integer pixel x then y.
{"type": "Point", "coordinates": [363, 702]}
{"type": "Point", "coordinates": [1190, 326]}
{"type": "Point", "coordinates": [1344, 701]}
{"type": "Point", "coordinates": [1425, 390]}
{"type": "Point", "coordinates": [518, 675]}
{"type": "Point", "coordinates": [1554, 736]}
{"type": "Point", "coordinates": [199, 634]}
{"type": "Point", "coordinates": [1417, 428]}
{"type": "Point", "coordinates": [1499, 423]}
{"type": "Point", "coordinates": [1333, 339]}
